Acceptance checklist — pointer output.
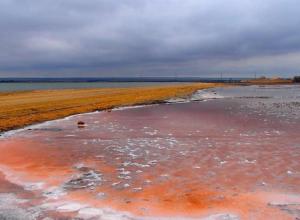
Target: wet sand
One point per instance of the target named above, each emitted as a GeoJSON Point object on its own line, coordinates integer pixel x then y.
{"type": "Point", "coordinates": [23, 108]}
{"type": "Point", "coordinates": [227, 158]}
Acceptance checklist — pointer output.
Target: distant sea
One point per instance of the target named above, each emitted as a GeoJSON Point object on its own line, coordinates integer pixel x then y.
{"type": "Point", "coordinates": [25, 84]}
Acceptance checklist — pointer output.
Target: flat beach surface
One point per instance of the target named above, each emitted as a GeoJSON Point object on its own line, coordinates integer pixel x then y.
{"type": "Point", "coordinates": [18, 109]}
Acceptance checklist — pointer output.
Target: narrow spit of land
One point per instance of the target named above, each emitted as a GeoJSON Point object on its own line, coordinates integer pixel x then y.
{"type": "Point", "coordinates": [19, 109]}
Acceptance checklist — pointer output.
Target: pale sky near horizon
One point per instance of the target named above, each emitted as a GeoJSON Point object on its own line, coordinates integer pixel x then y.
{"type": "Point", "coordinates": [62, 38]}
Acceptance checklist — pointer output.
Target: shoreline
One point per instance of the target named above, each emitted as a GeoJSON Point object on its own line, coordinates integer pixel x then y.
{"type": "Point", "coordinates": [51, 161]}
{"type": "Point", "coordinates": [21, 109]}
{"type": "Point", "coordinates": [11, 132]}
{"type": "Point", "coordinates": [29, 112]}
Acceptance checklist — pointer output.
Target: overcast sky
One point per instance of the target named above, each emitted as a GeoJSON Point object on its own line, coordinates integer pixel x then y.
{"type": "Point", "coordinates": [149, 37]}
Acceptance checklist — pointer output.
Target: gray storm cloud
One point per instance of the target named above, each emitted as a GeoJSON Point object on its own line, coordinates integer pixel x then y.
{"type": "Point", "coordinates": [149, 37]}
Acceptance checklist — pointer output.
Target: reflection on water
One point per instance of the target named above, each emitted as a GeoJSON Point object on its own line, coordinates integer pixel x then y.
{"type": "Point", "coordinates": [225, 158]}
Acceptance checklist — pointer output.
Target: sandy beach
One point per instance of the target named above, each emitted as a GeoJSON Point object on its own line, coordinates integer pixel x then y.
{"type": "Point", "coordinates": [19, 109]}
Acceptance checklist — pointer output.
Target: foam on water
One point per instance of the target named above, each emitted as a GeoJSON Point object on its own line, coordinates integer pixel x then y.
{"type": "Point", "coordinates": [200, 95]}
{"type": "Point", "coordinates": [205, 95]}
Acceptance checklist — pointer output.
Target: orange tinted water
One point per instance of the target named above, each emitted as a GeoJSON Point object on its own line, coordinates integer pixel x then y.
{"type": "Point", "coordinates": [201, 159]}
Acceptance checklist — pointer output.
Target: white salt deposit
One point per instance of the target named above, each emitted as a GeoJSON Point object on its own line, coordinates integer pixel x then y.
{"type": "Point", "coordinates": [222, 217]}
{"type": "Point", "coordinates": [70, 207]}
{"type": "Point", "coordinates": [204, 95]}
{"type": "Point", "coordinates": [87, 213]}
{"type": "Point", "coordinates": [54, 192]}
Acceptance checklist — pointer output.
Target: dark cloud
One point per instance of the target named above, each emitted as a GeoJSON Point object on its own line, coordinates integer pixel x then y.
{"type": "Point", "coordinates": [148, 37]}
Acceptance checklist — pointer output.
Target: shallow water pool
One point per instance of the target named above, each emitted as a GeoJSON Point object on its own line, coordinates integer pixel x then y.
{"type": "Point", "coordinates": [234, 154]}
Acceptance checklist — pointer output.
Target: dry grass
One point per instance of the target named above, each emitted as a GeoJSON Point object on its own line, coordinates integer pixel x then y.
{"type": "Point", "coordinates": [19, 109]}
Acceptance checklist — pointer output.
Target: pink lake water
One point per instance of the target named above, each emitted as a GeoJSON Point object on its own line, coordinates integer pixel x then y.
{"type": "Point", "coordinates": [228, 153]}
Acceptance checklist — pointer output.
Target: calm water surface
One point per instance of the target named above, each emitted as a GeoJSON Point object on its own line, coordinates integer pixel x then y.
{"type": "Point", "coordinates": [6, 87]}
{"type": "Point", "coordinates": [233, 155]}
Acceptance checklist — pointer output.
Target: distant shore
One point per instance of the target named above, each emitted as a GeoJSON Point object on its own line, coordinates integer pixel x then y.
{"type": "Point", "coordinates": [125, 79]}
{"type": "Point", "coordinates": [268, 81]}
{"type": "Point", "coordinates": [19, 109]}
